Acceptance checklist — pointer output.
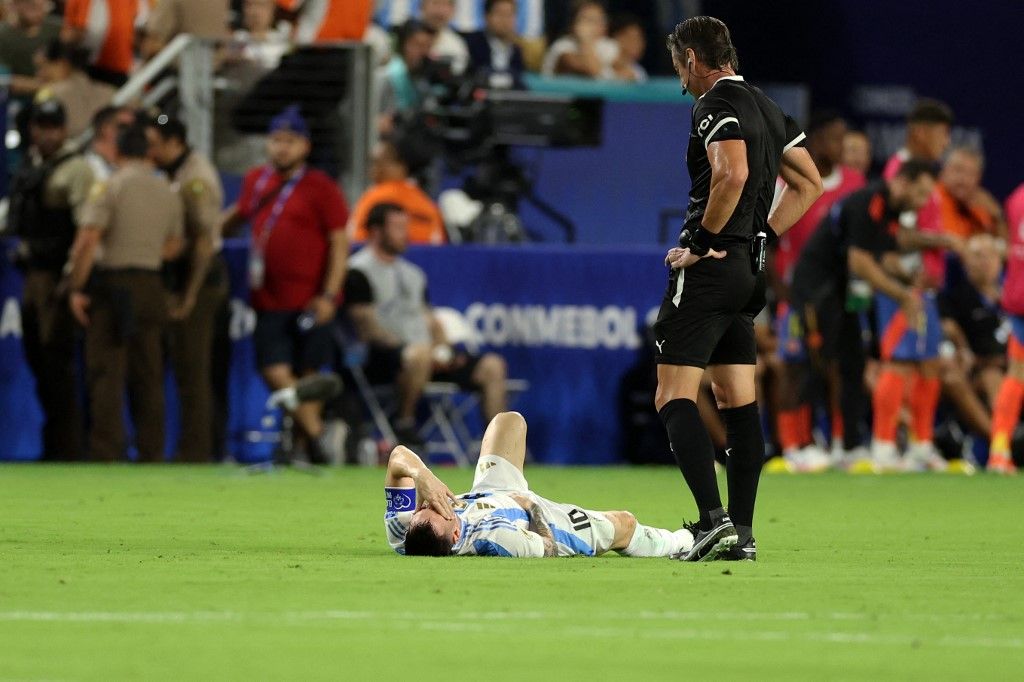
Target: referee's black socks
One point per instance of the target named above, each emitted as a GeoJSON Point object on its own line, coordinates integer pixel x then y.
{"type": "Point", "coordinates": [745, 441]}
{"type": "Point", "coordinates": [694, 453]}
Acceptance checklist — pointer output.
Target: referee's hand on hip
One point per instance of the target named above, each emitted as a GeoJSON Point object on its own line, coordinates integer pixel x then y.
{"type": "Point", "coordinates": [678, 258]}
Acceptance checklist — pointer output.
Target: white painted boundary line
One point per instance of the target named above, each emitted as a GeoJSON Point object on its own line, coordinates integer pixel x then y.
{"type": "Point", "coordinates": [618, 626]}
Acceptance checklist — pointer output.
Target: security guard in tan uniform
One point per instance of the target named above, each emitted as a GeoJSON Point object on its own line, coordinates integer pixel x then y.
{"type": "Point", "coordinates": [47, 196]}
{"type": "Point", "coordinates": [131, 224]}
{"type": "Point", "coordinates": [199, 281]}
{"type": "Point", "coordinates": [61, 68]}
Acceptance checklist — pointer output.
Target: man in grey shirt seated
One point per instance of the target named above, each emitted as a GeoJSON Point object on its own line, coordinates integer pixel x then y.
{"type": "Point", "coordinates": [386, 298]}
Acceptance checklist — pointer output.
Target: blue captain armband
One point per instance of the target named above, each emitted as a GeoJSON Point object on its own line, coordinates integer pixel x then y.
{"type": "Point", "coordinates": [400, 500]}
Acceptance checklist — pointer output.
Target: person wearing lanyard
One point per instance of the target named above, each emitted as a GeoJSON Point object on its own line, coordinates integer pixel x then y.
{"type": "Point", "coordinates": [297, 263]}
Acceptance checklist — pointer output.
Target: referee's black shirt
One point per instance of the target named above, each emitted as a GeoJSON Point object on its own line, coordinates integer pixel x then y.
{"type": "Point", "coordinates": [735, 110]}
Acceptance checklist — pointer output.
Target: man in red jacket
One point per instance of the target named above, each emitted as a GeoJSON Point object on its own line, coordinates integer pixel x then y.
{"type": "Point", "coordinates": [297, 263]}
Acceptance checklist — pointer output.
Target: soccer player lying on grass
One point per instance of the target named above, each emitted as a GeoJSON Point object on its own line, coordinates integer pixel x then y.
{"type": "Point", "coordinates": [501, 516]}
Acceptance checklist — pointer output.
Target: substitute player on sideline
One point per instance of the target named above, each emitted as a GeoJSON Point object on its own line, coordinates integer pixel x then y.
{"type": "Point", "coordinates": [739, 143]}
{"type": "Point", "coordinates": [501, 516]}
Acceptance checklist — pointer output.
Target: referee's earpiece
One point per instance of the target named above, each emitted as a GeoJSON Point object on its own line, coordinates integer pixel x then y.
{"type": "Point", "coordinates": [689, 70]}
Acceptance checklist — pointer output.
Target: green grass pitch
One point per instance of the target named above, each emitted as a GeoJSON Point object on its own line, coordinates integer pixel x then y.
{"type": "Point", "coordinates": [211, 573]}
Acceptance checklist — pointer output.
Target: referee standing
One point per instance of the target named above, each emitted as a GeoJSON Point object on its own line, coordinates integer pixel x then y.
{"type": "Point", "coordinates": [740, 142]}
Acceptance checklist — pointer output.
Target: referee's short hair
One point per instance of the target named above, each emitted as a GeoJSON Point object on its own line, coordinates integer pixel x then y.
{"type": "Point", "coordinates": [378, 215]}
{"type": "Point", "coordinates": [912, 169]}
{"type": "Point", "coordinates": [708, 37]}
{"type": "Point", "coordinates": [930, 111]}
{"type": "Point", "coordinates": [422, 540]}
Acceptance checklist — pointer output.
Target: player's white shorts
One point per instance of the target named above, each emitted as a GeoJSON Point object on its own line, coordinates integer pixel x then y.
{"type": "Point", "coordinates": [577, 531]}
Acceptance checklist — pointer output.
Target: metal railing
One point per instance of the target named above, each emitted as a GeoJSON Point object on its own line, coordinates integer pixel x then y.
{"type": "Point", "coordinates": [186, 67]}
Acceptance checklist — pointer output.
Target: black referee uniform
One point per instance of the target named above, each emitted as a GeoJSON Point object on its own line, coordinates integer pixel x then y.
{"type": "Point", "coordinates": [707, 315]}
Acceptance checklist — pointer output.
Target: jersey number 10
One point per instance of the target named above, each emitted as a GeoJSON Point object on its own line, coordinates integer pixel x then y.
{"type": "Point", "coordinates": [579, 520]}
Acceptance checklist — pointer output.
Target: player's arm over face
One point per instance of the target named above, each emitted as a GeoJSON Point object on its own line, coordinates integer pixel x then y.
{"type": "Point", "coordinates": [407, 470]}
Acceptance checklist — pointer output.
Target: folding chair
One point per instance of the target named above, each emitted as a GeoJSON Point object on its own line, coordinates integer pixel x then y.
{"type": "Point", "coordinates": [353, 357]}
{"type": "Point", "coordinates": [446, 431]}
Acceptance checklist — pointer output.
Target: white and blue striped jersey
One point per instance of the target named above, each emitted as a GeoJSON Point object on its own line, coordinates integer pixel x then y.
{"type": "Point", "coordinates": [493, 524]}
{"type": "Point", "coordinates": [469, 15]}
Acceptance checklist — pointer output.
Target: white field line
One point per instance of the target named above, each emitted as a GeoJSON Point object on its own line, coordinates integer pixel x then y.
{"type": "Point", "coordinates": [618, 624]}
{"type": "Point", "coordinates": [476, 616]}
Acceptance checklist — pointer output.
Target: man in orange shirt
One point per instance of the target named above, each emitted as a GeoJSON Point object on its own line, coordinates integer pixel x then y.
{"type": "Point", "coordinates": [322, 21]}
{"type": "Point", "coordinates": [393, 162]}
{"type": "Point", "coordinates": [966, 208]}
{"type": "Point", "coordinates": [107, 29]}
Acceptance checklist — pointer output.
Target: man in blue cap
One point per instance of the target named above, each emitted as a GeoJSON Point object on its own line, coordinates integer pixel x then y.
{"type": "Point", "coordinates": [297, 265]}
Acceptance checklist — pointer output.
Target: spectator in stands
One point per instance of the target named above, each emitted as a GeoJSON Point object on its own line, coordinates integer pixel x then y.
{"type": "Point", "coordinates": [48, 194]}
{"type": "Point", "coordinates": [857, 152]}
{"type": "Point", "coordinates": [965, 207]}
{"type": "Point", "coordinates": [397, 87]}
{"type": "Point", "coordinates": [826, 131]}
{"type": "Point", "coordinates": [1006, 411]}
{"type": "Point", "coordinates": [448, 45]}
{"type": "Point", "coordinates": [586, 50]}
{"type": "Point", "coordinates": [325, 21]}
{"type": "Point", "coordinates": [106, 28]}
{"type": "Point", "coordinates": [386, 297]}
{"type": "Point", "coordinates": [470, 17]}
{"type": "Point", "coordinates": [131, 224]}
{"type": "Point", "coordinates": [297, 265]}
{"type": "Point", "coordinates": [201, 18]}
{"type": "Point", "coordinates": [199, 281]}
{"type": "Point", "coordinates": [259, 41]}
{"type": "Point", "coordinates": [974, 323]}
{"type": "Point", "coordinates": [30, 31]}
{"type": "Point", "coordinates": [61, 70]}
{"type": "Point", "coordinates": [628, 32]}
{"type": "Point", "coordinates": [395, 160]}
{"type": "Point", "coordinates": [107, 124]}
{"type": "Point", "coordinates": [493, 52]}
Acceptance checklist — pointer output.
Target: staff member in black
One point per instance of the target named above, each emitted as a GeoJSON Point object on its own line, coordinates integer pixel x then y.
{"type": "Point", "coordinates": [739, 143]}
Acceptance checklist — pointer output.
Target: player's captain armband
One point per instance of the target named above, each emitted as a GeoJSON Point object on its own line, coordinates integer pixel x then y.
{"type": "Point", "coordinates": [400, 500]}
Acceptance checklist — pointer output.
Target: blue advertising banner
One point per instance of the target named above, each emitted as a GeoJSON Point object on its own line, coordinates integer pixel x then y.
{"type": "Point", "coordinates": [568, 320]}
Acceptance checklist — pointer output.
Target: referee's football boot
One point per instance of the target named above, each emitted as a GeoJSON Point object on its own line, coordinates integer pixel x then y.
{"type": "Point", "coordinates": [709, 545]}
{"type": "Point", "coordinates": [741, 551]}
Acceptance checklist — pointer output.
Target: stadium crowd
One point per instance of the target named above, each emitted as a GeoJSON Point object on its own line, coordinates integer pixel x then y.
{"type": "Point", "coordinates": [889, 294]}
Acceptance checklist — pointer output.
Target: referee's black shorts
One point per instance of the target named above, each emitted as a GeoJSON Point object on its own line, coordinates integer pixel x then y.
{"type": "Point", "coordinates": [707, 315]}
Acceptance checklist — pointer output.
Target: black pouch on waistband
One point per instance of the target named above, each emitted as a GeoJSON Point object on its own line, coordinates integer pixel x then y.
{"type": "Point", "coordinates": [758, 252]}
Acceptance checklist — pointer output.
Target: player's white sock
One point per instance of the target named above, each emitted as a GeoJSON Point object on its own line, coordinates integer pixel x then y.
{"type": "Point", "coordinates": [657, 542]}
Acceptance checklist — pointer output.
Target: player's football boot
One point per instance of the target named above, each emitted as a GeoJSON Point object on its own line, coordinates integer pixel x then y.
{"type": "Point", "coordinates": [708, 545]}
{"type": "Point", "coordinates": [746, 551]}
{"type": "Point", "coordinates": [923, 456]}
{"type": "Point", "coordinates": [1001, 463]}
